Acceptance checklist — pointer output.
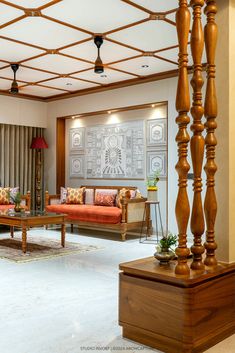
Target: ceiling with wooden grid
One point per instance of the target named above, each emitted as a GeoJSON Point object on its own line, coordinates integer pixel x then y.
{"type": "Point", "coordinates": [53, 42]}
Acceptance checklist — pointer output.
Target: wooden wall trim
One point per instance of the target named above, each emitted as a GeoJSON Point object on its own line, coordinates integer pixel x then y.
{"type": "Point", "coordinates": [60, 153]}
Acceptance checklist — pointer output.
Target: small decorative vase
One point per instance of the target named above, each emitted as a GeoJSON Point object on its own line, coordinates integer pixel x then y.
{"type": "Point", "coordinates": [164, 256]}
{"type": "Point", "coordinates": [17, 207]}
{"type": "Point", "coordinates": [152, 193]}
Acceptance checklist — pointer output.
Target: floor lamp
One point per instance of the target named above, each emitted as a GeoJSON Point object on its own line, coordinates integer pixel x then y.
{"type": "Point", "coordinates": [38, 143]}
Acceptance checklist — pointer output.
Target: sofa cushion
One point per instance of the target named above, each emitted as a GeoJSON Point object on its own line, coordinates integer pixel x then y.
{"type": "Point", "coordinates": [63, 194]}
{"type": "Point", "coordinates": [75, 196]}
{"type": "Point", "coordinates": [13, 192]}
{"type": "Point", "coordinates": [105, 197]}
{"type": "Point", "coordinates": [88, 213]}
{"type": "Point", "coordinates": [4, 196]}
{"type": "Point", "coordinates": [6, 207]}
{"type": "Point", "coordinates": [89, 196]}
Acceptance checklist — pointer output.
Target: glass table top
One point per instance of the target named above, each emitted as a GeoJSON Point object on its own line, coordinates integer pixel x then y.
{"type": "Point", "coordinates": [28, 214]}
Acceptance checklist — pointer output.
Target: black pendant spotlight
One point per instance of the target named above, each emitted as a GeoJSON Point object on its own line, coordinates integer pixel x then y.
{"type": "Point", "coordinates": [14, 86]}
{"type": "Point", "coordinates": [99, 67]}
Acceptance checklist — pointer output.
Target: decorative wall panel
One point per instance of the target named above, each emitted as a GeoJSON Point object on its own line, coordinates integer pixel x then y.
{"type": "Point", "coordinates": [156, 132]}
{"type": "Point", "coordinates": [77, 140]}
{"type": "Point", "coordinates": [76, 166]}
{"type": "Point", "coordinates": [157, 162]}
{"type": "Point", "coordinates": [116, 151]}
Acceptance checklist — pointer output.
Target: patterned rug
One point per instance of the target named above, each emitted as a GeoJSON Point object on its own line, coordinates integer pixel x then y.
{"type": "Point", "coordinates": [39, 248]}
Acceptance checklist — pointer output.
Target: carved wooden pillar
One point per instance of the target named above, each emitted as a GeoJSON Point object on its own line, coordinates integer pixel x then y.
{"type": "Point", "coordinates": [197, 142]}
{"type": "Point", "coordinates": [182, 106]}
{"type": "Point", "coordinates": [210, 205]}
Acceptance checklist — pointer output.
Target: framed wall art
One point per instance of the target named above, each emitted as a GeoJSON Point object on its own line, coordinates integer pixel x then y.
{"type": "Point", "coordinates": [115, 151]}
{"type": "Point", "coordinates": [156, 132]}
{"type": "Point", "coordinates": [76, 166]}
{"type": "Point", "coordinates": [77, 140]}
{"type": "Point", "coordinates": [157, 162]}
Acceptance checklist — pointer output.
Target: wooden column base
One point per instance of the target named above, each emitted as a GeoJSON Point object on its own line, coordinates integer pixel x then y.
{"type": "Point", "coordinates": [176, 314]}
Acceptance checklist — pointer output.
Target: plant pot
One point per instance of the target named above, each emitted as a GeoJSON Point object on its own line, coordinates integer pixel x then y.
{"type": "Point", "coordinates": [164, 256]}
{"type": "Point", "coordinates": [17, 207]}
{"type": "Point", "coordinates": [152, 194]}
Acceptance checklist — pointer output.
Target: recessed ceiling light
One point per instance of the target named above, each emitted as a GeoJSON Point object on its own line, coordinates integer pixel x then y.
{"type": "Point", "coordinates": [73, 117]}
{"type": "Point", "coordinates": [69, 84]}
{"type": "Point", "coordinates": [103, 76]}
{"type": "Point", "coordinates": [153, 105]}
{"type": "Point", "coordinates": [144, 66]}
{"type": "Point", "coordinates": [109, 111]}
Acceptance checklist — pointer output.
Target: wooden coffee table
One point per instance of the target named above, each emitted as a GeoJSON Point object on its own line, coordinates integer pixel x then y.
{"type": "Point", "coordinates": [25, 220]}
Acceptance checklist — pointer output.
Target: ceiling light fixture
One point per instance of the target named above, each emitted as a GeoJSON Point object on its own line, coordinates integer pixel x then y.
{"type": "Point", "coordinates": [99, 67]}
{"type": "Point", "coordinates": [109, 111]}
{"type": "Point", "coordinates": [14, 86]}
{"type": "Point", "coordinates": [153, 105]}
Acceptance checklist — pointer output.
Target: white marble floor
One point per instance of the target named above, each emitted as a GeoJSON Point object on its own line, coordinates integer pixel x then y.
{"type": "Point", "coordinates": [69, 304]}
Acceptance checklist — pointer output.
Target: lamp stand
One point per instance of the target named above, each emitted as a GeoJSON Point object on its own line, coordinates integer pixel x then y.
{"type": "Point", "coordinates": [38, 179]}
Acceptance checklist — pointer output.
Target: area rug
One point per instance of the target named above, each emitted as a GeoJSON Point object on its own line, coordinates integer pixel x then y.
{"type": "Point", "coordinates": [39, 248]}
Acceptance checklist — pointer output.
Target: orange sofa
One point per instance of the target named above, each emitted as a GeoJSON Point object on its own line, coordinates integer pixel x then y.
{"type": "Point", "coordinates": [90, 216]}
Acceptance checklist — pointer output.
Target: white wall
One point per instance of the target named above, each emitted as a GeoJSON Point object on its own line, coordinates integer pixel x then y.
{"type": "Point", "coordinates": [18, 111]}
{"type": "Point", "coordinates": [159, 91]}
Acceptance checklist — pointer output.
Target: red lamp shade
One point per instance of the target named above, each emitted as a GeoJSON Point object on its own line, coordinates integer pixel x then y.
{"type": "Point", "coordinates": [39, 142]}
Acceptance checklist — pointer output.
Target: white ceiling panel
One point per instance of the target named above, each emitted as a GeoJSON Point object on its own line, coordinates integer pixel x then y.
{"type": "Point", "coordinates": [148, 36]}
{"type": "Point", "coordinates": [69, 84]}
{"type": "Point", "coordinates": [2, 64]}
{"type": "Point", "coordinates": [109, 51]}
{"type": "Point", "coordinates": [5, 84]}
{"type": "Point", "coordinates": [42, 32]}
{"type": "Point", "coordinates": [8, 13]}
{"type": "Point", "coordinates": [32, 4]}
{"type": "Point", "coordinates": [26, 74]}
{"type": "Point", "coordinates": [96, 16]}
{"type": "Point", "coordinates": [14, 52]}
{"type": "Point", "coordinates": [112, 76]}
{"type": "Point", "coordinates": [40, 91]}
{"type": "Point", "coordinates": [157, 5]}
{"type": "Point", "coordinates": [154, 66]}
{"type": "Point", "coordinates": [58, 64]}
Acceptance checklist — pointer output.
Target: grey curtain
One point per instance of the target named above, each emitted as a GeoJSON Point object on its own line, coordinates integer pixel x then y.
{"type": "Point", "coordinates": [17, 159]}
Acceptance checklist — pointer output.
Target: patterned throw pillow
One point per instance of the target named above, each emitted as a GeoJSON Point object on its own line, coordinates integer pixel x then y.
{"type": "Point", "coordinates": [75, 196]}
{"type": "Point", "coordinates": [4, 196]}
{"type": "Point", "coordinates": [13, 192]}
{"type": "Point", "coordinates": [105, 199]}
{"type": "Point", "coordinates": [63, 194]}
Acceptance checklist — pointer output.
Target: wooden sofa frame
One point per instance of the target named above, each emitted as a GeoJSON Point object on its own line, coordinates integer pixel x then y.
{"type": "Point", "coordinates": [129, 208]}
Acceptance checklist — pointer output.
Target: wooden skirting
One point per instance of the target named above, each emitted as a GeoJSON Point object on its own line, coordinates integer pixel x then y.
{"type": "Point", "coordinates": [176, 314]}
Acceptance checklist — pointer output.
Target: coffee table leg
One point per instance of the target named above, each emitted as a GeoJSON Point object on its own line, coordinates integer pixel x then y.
{"type": "Point", "coordinates": [12, 231]}
{"type": "Point", "coordinates": [63, 235]}
{"type": "Point", "coordinates": [24, 239]}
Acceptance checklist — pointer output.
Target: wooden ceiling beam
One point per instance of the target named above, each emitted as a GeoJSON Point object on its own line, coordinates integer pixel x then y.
{"type": "Point", "coordinates": [66, 24]}
{"type": "Point", "coordinates": [53, 2]}
{"type": "Point", "coordinates": [17, 19]}
{"type": "Point", "coordinates": [133, 24]}
{"type": "Point", "coordinates": [139, 7]}
{"type": "Point", "coordinates": [18, 7]}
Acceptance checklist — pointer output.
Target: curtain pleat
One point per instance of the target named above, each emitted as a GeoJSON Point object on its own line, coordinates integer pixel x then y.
{"type": "Point", "coordinates": [17, 159]}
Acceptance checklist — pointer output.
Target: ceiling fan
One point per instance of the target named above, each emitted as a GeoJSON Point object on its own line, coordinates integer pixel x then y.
{"type": "Point", "coordinates": [99, 67]}
{"type": "Point", "coordinates": [14, 86]}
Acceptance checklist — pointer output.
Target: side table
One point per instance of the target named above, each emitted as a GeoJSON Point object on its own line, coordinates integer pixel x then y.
{"type": "Point", "coordinates": [147, 237]}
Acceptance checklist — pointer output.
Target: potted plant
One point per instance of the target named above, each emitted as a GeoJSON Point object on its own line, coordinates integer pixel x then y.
{"type": "Point", "coordinates": [17, 200]}
{"type": "Point", "coordinates": [164, 252]}
{"type": "Point", "coordinates": [152, 187]}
